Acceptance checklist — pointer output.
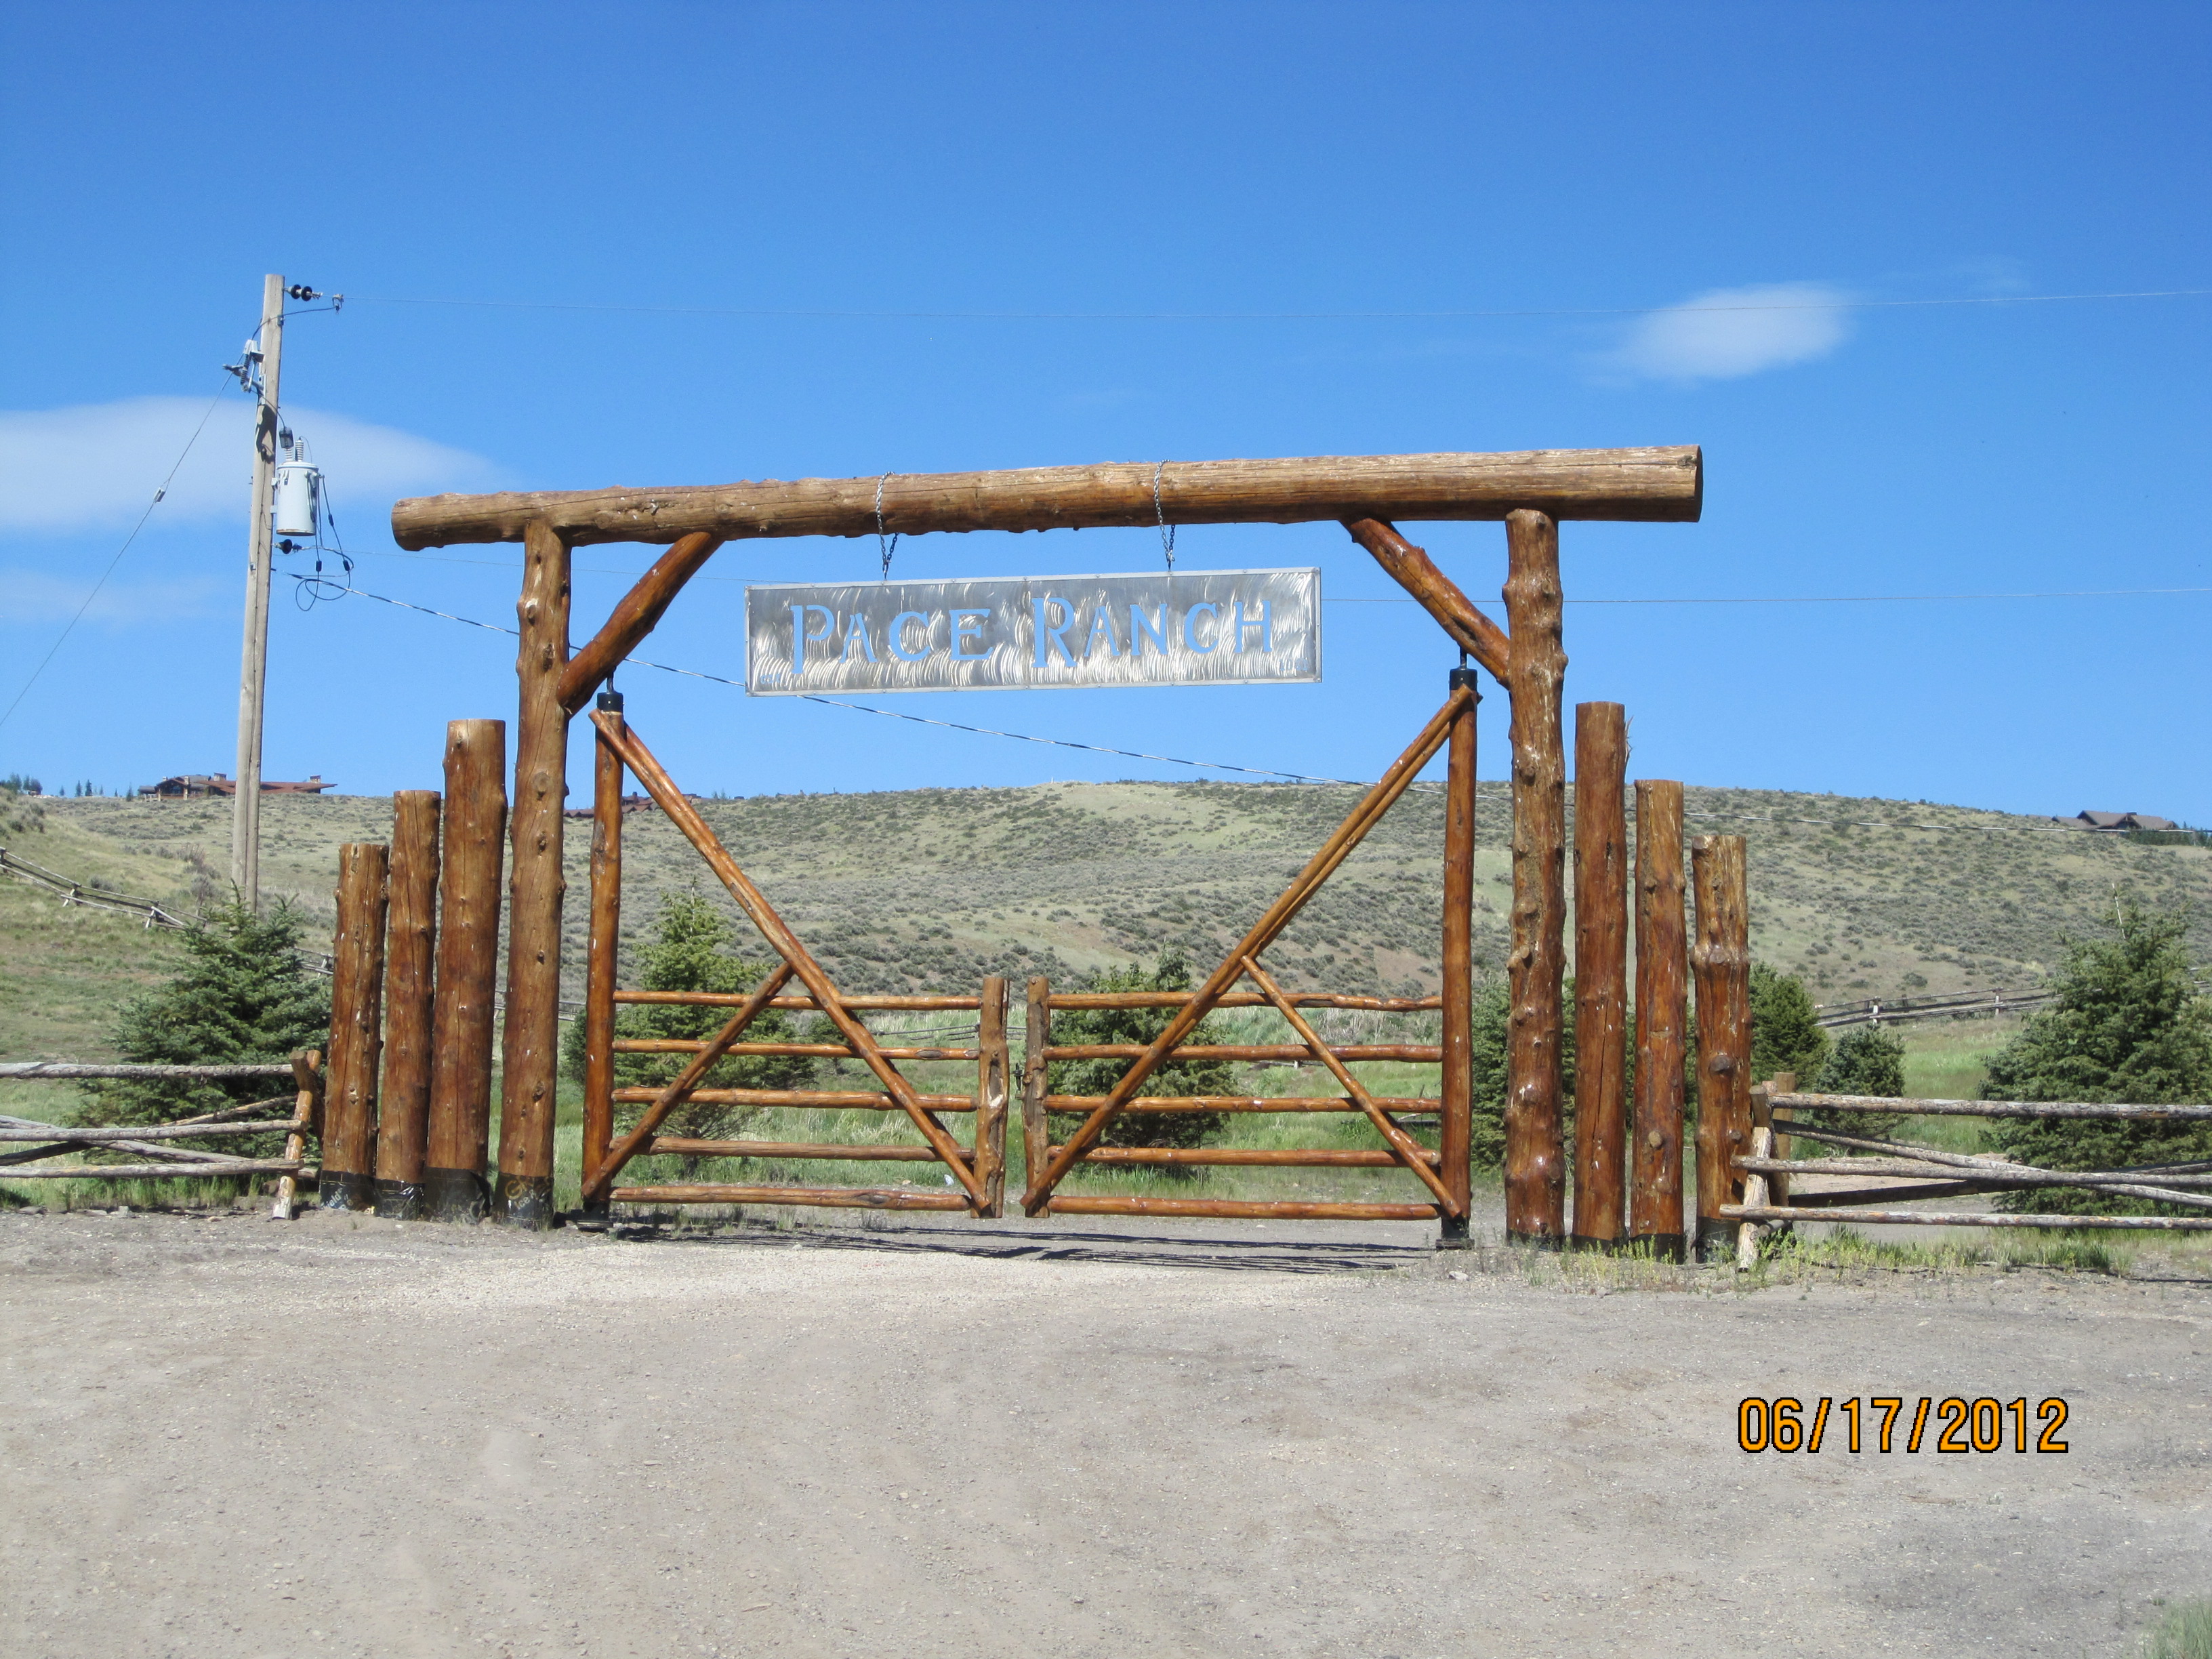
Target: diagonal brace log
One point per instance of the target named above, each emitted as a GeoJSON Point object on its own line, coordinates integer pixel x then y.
{"type": "Point", "coordinates": [1323, 864]}
{"type": "Point", "coordinates": [638, 614]}
{"type": "Point", "coordinates": [625, 742]}
{"type": "Point", "coordinates": [1413, 569]}
{"type": "Point", "coordinates": [680, 1089]}
{"type": "Point", "coordinates": [1411, 1153]}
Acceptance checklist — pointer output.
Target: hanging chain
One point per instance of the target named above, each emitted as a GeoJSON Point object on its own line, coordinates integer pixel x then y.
{"type": "Point", "coordinates": [1160, 513]}
{"type": "Point", "coordinates": [885, 545]}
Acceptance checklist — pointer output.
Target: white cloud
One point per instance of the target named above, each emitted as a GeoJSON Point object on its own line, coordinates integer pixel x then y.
{"type": "Point", "coordinates": [1734, 332]}
{"type": "Point", "coordinates": [94, 466]}
{"type": "Point", "coordinates": [34, 596]}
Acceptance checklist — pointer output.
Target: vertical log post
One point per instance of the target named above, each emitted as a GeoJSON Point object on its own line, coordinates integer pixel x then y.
{"type": "Point", "coordinates": [993, 1064]}
{"type": "Point", "coordinates": [403, 1113]}
{"type": "Point", "coordinates": [349, 1165]}
{"type": "Point", "coordinates": [600, 953]}
{"type": "Point", "coordinates": [1036, 1036]}
{"type": "Point", "coordinates": [1535, 1165]}
{"type": "Point", "coordinates": [531, 1054]}
{"type": "Point", "coordinates": [1662, 973]}
{"type": "Point", "coordinates": [1722, 960]}
{"type": "Point", "coordinates": [306, 1119]}
{"type": "Point", "coordinates": [454, 1186]}
{"type": "Point", "coordinates": [1777, 1185]}
{"type": "Point", "coordinates": [1601, 972]}
{"type": "Point", "coordinates": [1454, 1140]}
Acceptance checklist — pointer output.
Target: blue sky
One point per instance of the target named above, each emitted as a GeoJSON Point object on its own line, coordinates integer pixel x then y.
{"type": "Point", "coordinates": [645, 196]}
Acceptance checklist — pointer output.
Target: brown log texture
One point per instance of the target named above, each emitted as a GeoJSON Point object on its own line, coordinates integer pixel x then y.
{"type": "Point", "coordinates": [356, 1026]}
{"type": "Point", "coordinates": [1037, 1037]}
{"type": "Point", "coordinates": [1536, 1161]}
{"type": "Point", "coordinates": [599, 1176]}
{"type": "Point", "coordinates": [672, 801]}
{"type": "Point", "coordinates": [835, 1198]}
{"type": "Point", "coordinates": [530, 1051]}
{"type": "Point", "coordinates": [1292, 1158]}
{"type": "Point", "coordinates": [306, 1114]}
{"type": "Point", "coordinates": [1456, 1053]}
{"type": "Point", "coordinates": [468, 970]}
{"type": "Point", "coordinates": [1413, 569]}
{"type": "Point", "coordinates": [1721, 959]}
{"type": "Point", "coordinates": [1663, 969]}
{"type": "Point", "coordinates": [1601, 972]}
{"type": "Point", "coordinates": [1279, 915]}
{"type": "Point", "coordinates": [685, 1146]}
{"type": "Point", "coordinates": [994, 1073]}
{"type": "Point", "coordinates": [1657, 484]}
{"type": "Point", "coordinates": [865, 1004]}
{"type": "Point", "coordinates": [410, 954]}
{"type": "Point", "coordinates": [636, 616]}
{"type": "Point", "coordinates": [853, 1099]}
{"type": "Point", "coordinates": [603, 946]}
{"type": "Point", "coordinates": [1249, 1209]}
{"type": "Point", "coordinates": [198, 1171]}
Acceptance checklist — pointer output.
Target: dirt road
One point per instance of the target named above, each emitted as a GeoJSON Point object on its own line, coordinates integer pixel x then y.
{"type": "Point", "coordinates": [228, 1437]}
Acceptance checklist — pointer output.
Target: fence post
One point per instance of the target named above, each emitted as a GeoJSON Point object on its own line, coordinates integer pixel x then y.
{"type": "Point", "coordinates": [1456, 1136]}
{"type": "Point", "coordinates": [1600, 971]}
{"type": "Point", "coordinates": [1535, 1162]}
{"type": "Point", "coordinates": [454, 1186]}
{"type": "Point", "coordinates": [993, 1062]}
{"type": "Point", "coordinates": [348, 1181]}
{"type": "Point", "coordinates": [307, 1120]}
{"type": "Point", "coordinates": [1662, 973]}
{"type": "Point", "coordinates": [530, 1055]}
{"type": "Point", "coordinates": [403, 1116]}
{"type": "Point", "coordinates": [600, 964]}
{"type": "Point", "coordinates": [1036, 1034]}
{"type": "Point", "coordinates": [1722, 958]}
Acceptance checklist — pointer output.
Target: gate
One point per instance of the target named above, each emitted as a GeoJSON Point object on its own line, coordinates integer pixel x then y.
{"type": "Point", "coordinates": [1440, 1172]}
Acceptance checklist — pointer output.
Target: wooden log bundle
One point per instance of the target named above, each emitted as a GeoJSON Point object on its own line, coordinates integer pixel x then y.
{"type": "Point", "coordinates": [459, 1131]}
{"type": "Point", "coordinates": [410, 951]}
{"type": "Point", "coordinates": [1656, 484]}
{"type": "Point", "coordinates": [348, 1173]}
{"type": "Point", "coordinates": [1662, 972]}
{"type": "Point", "coordinates": [1601, 972]}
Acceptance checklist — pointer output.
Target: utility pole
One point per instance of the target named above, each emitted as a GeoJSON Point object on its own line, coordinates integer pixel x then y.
{"type": "Point", "coordinates": [253, 670]}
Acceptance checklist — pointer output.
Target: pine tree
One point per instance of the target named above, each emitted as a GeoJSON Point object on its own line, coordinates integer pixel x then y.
{"type": "Point", "coordinates": [1786, 1028]}
{"type": "Point", "coordinates": [1868, 1062]}
{"type": "Point", "coordinates": [2129, 1024]}
{"type": "Point", "coordinates": [241, 993]}
{"type": "Point", "coordinates": [1171, 972]}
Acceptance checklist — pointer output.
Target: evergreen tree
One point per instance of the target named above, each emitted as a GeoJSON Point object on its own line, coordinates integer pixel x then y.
{"type": "Point", "coordinates": [1489, 1044]}
{"type": "Point", "coordinates": [2129, 1024]}
{"type": "Point", "coordinates": [240, 994]}
{"type": "Point", "coordinates": [1171, 972]}
{"type": "Point", "coordinates": [691, 950]}
{"type": "Point", "coordinates": [1786, 1028]}
{"type": "Point", "coordinates": [1868, 1062]}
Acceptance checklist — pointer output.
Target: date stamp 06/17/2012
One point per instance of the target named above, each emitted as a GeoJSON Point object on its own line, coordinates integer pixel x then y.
{"type": "Point", "coordinates": [1783, 1424]}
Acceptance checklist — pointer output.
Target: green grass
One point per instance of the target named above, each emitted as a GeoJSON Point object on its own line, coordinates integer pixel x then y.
{"type": "Point", "coordinates": [1846, 1248]}
{"type": "Point", "coordinates": [2184, 1632]}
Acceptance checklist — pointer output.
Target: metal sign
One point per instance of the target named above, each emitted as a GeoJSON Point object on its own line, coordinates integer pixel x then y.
{"type": "Point", "coordinates": [1033, 633]}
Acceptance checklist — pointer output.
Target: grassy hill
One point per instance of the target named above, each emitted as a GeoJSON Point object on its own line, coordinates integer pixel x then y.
{"type": "Point", "coordinates": [931, 889]}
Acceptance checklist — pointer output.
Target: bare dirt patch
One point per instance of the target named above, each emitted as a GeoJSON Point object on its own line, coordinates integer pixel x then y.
{"type": "Point", "coordinates": [226, 1436]}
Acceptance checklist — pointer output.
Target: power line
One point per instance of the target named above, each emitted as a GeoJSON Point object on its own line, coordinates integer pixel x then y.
{"type": "Point", "coordinates": [857, 314]}
{"type": "Point", "coordinates": [118, 559]}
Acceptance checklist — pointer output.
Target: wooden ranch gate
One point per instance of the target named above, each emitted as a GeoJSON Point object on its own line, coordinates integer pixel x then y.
{"type": "Point", "coordinates": [1531, 492]}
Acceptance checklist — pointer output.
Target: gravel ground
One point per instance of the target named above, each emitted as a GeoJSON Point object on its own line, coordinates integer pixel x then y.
{"type": "Point", "coordinates": [227, 1435]}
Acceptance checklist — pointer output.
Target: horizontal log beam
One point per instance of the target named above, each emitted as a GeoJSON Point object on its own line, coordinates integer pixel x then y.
{"type": "Point", "coordinates": [856, 1099]}
{"type": "Point", "coordinates": [238, 1166]}
{"type": "Point", "coordinates": [1256, 1209]}
{"type": "Point", "coordinates": [41, 1071]}
{"type": "Point", "coordinates": [789, 1149]}
{"type": "Point", "coordinates": [1908, 1108]}
{"type": "Point", "coordinates": [1403, 1105]}
{"type": "Point", "coordinates": [835, 1198]}
{"type": "Point", "coordinates": [1663, 484]}
{"type": "Point", "coordinates": [803, 1004]}
{"type": "Point", "coordinates": [1288, 1157]}
{"type": "Point", "coordinates": [2166, 1224]}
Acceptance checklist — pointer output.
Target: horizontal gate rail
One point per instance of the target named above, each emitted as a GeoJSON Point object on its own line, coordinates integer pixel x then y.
{"type": "Point", "coordinates": [1404, 1105]}
{"type": "Point", "coordinates": [807, 1005]}
{"type": "Point", "coordinates": [833, 1197]}
{"type": "Point", "coordinates": [850, 1099]}
{"type": "Point", "coordinates": [1262, 1209]}
{"type": "Point", "coordinates": [1294, 1158]}
{"type": "Point", "coordinates": [818, 1050]}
